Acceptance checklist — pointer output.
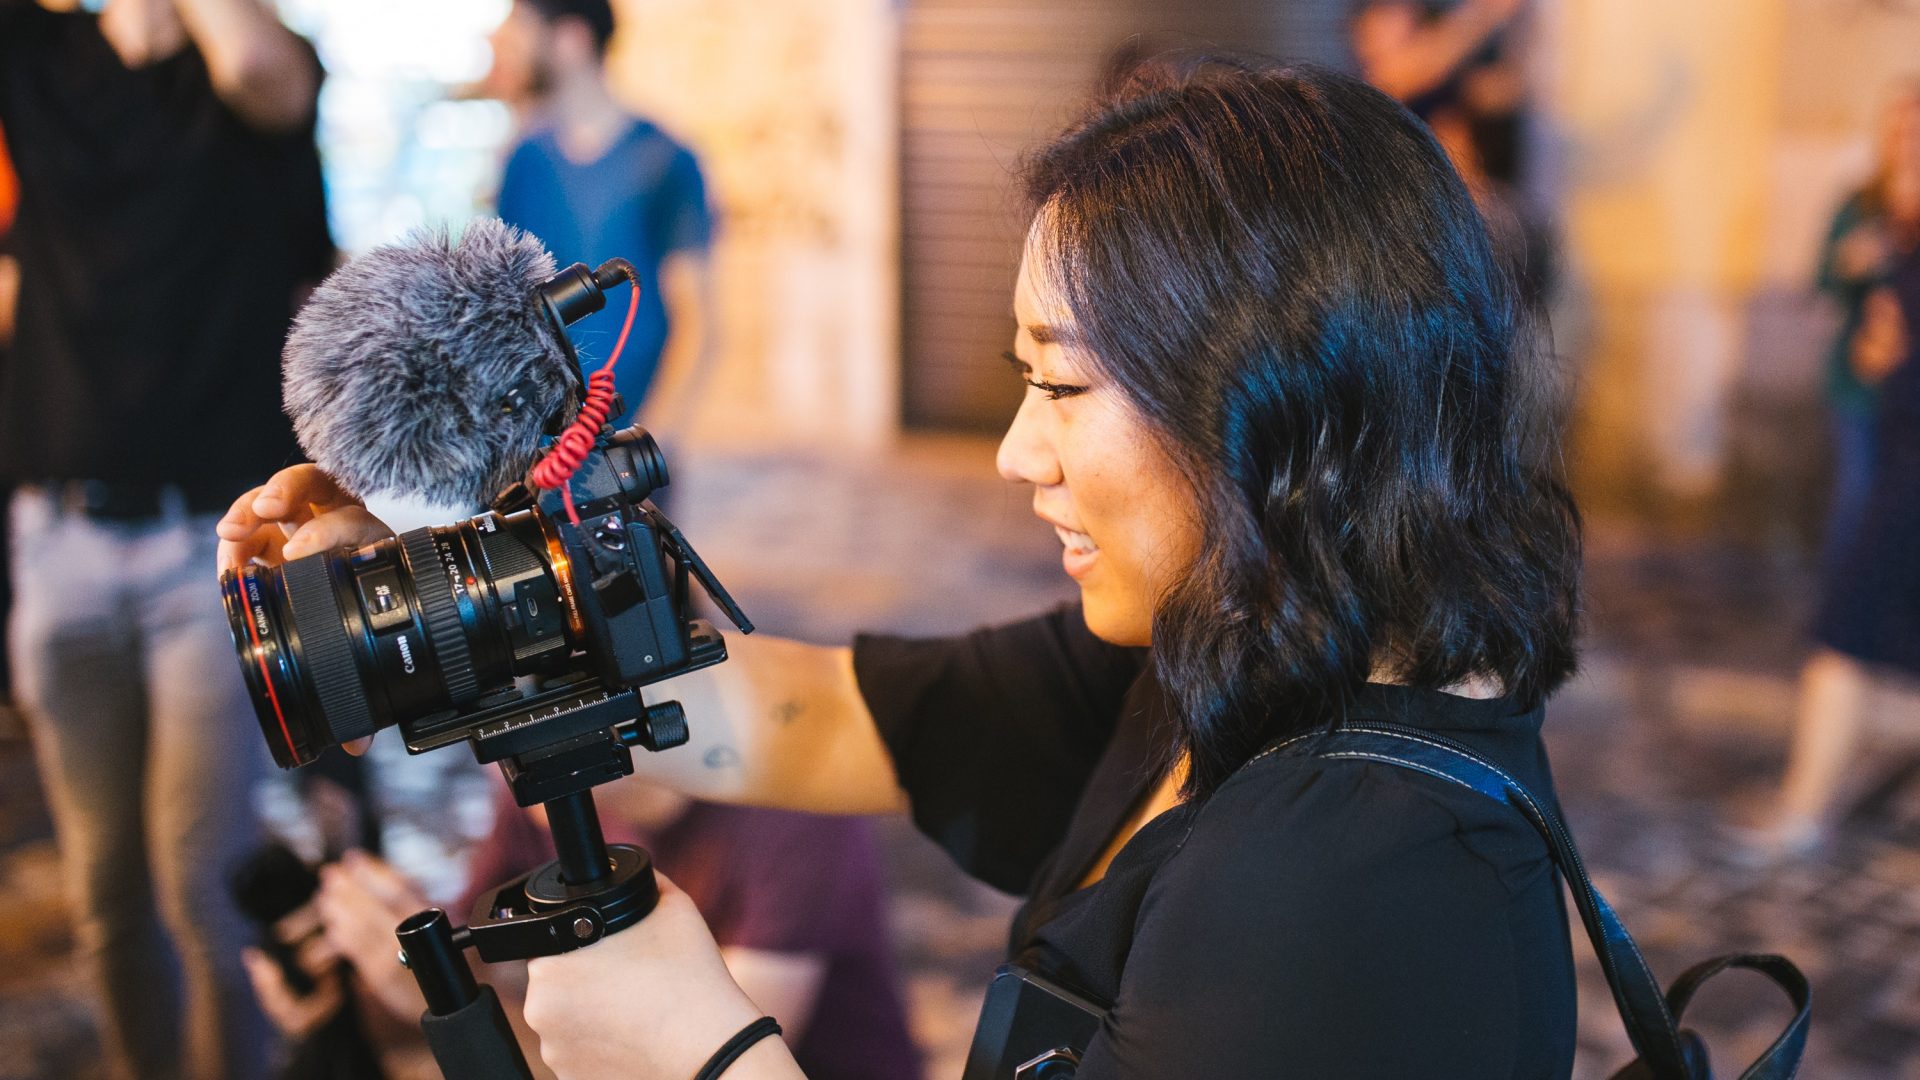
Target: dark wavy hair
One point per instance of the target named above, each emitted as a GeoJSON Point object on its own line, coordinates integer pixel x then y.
{"type": "Point", "coordinates": [1281, 270]}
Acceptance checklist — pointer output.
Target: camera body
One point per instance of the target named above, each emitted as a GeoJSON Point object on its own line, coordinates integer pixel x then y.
{"type": "Point", "coordinates": [516, 630]}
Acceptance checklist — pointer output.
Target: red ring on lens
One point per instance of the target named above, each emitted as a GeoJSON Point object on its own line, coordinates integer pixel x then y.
{"type": "Point", "coordinates": [260, 657]}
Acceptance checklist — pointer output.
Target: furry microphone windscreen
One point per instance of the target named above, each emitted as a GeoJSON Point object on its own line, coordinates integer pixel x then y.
{"type": "Point", "coordinates": [398, 369]}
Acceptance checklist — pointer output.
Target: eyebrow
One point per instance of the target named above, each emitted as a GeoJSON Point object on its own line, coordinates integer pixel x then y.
{"type": "Point", "coordinates": [1042, 334]}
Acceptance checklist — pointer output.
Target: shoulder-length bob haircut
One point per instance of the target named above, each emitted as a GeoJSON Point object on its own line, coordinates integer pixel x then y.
{"type": "Point", "coordinates": [1286, 278]}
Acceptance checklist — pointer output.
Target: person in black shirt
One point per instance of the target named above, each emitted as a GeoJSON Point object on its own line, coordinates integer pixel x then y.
{"type": "Point", "coordinates": [1285, 418]}
{"type": "Point", "coordinates": [170, 213]}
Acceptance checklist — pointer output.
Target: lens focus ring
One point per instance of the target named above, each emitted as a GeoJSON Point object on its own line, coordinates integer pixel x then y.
{"type": "Point", "coordinates": [441, 612]}
{"type": "Point", "coordinates": [325, 650]}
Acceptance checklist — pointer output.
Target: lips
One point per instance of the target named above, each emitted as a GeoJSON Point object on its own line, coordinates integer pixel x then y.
{"type": "Point", "coordinates": [1077, 542]}
{"type": "Point", "coordinates": [1078, 553]}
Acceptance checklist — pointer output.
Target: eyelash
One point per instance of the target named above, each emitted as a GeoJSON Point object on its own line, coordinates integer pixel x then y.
{"type": "Point", "coordinates": [1054, 391]}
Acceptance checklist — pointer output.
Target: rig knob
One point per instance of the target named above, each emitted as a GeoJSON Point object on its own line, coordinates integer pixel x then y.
{"type": "Point", "coordinates": [663, 727]}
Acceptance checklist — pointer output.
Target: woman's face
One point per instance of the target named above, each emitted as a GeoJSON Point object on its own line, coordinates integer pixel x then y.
{"type": "Point", "coordinates": [1125, 514]}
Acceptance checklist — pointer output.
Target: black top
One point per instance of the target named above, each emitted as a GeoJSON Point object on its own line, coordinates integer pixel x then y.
{"type": "Point", "coordinates": [1313, 918]}
{"type": "Point", "coordinates": [161, 244]}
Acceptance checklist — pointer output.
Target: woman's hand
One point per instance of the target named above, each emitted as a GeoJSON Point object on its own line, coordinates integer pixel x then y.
{"type": "Point", "coordinates": [297, 512]}
{"type": "Point", "coordinates": [1864, 253]}
{"type": "Point", "coordinates": [653, 1000]}
{"type": "Point", "coordinates": [1881, 343]}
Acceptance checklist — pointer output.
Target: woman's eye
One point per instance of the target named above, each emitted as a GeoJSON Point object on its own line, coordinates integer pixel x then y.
{"type": "Point", "coordinates": [1054, 391]}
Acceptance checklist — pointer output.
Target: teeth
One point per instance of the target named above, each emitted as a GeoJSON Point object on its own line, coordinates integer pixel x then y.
{"type": "Point", "coordinates": [1079, 543]}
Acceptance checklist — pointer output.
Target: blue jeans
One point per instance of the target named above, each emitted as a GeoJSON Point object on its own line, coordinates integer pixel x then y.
{"type": "Point", "coordinates": [149, 754]}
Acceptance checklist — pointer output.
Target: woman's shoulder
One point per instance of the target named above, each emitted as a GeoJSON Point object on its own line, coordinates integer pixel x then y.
{"type": "Point", "coordinates": [1351, 826]}
{"type": "Point", "coordinates": [1357, 915]}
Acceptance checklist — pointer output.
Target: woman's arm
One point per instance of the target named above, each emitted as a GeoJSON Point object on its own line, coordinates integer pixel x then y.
{"type": "Point", "coordinates": [782, 723]}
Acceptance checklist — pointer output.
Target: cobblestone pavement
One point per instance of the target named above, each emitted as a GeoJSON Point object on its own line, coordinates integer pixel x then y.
{"type": "Point", "coordinates": [1680, 715]}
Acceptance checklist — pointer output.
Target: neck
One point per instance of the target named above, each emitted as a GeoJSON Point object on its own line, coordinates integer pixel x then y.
{"type": "Point", "coordinates": [1475, 686]}
{"type": "Point", "coordinates": [586, 117]}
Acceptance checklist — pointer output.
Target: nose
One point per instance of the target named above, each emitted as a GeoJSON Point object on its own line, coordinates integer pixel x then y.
{"type": "Point", "coordinates": [1026, 454]}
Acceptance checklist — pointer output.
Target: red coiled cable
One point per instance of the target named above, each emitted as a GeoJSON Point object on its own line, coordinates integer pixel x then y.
{"type": "Point", "coordinates": [570, 450]}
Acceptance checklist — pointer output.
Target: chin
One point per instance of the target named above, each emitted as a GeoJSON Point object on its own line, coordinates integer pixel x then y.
{"type": "Point", "coordinates": [1116, 624]}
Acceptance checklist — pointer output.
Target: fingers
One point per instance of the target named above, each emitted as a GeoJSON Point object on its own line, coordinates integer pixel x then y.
{"type": "Point", "coordinates": [293, 1014]}
{"type": "Point", "coordinates": [292, 495]}
{"type": "Point", "coordinates": [378, 879]}
{"type": "Point", "coordinates": [244, 536]}
{"type": "Point", "coordinates": [359, 746]}
{"type": "Point", "coordinates": [299, 511]}
{"type": "Point", "coordinates": [300, 490]}
{"type": "Point", "coordinates": [361, 900]}
{"type": "Point", "coordinates": [239, 521]}
{"type": "Point", "coordinates": [317, 956]}
{"type": "Point", "coordinates": [349, 526]}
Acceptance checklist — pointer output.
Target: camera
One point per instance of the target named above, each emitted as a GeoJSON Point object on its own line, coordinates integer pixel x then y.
{"type": "Point", "coordinates": [516, 629]}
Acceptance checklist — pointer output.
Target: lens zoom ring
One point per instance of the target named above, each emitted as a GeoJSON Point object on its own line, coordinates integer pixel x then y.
{"type": "Point", "coordinates": [441, 612]}
{"type": "Point", "coordinates": [324, 649]}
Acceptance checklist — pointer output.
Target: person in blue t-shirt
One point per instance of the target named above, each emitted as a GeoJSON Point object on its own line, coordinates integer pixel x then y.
{"type": "Point", "coordinates": [593, 182]}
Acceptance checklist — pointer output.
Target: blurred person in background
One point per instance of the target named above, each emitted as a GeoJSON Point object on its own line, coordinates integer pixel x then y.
{"type": "Point", "coordinates": [170, 214]}
{"type": "Point", "coordinates": [1870, 607]}
{"type": "Point", "coordinates": [1871, 230]}
{"type": "Point", "coordinates": [593, 182]}
{"type": "Point", "coordinates": [9, 290]}
{"type": "Point", "coordinates": [1456, 66]}
{"type": "Point", "coordinates": [1460, 66]}
{"type": "Point", "coordinates": [796, 902]}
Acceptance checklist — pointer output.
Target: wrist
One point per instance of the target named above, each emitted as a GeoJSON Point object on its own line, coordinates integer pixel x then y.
{"type": "Point", "coordinates": [707, 1028]}
{"type": "Point", "coordinates": [754, 1051]}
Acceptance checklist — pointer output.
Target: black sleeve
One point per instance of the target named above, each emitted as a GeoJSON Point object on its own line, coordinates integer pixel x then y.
{"type": "Point", "coordinates": [1331, 924]}
{"type": "Point", "coordinates": [994, 734]}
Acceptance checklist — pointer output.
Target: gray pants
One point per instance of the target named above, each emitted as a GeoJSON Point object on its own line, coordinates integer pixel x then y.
{"type": "Point", "coordinates": [149, 753]}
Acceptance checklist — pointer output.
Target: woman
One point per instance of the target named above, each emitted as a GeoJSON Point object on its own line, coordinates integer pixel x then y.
{"type": "Point", "coordinates": [1282, 417]}
{"type": "Point", "coordinates": [1871, 231]}
{"type": "Point", "coordinates": [1870, 256]}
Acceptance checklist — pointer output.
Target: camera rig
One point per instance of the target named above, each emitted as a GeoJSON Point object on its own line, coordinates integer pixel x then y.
{"type": "Point", "coordinates": [555, 742]}
{"type": "Point", "coordinates": [526, 632]}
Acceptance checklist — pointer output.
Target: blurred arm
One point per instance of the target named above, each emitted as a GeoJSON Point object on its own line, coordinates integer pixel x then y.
{"type": "Point", "coordinates": [258, 67]}
{"type": "Point", "coordinates": [1406, 58]}
{"type": "Point", "coordinates": [1881, 343]}
{"type": "Point", "coordinates": [686, 361]}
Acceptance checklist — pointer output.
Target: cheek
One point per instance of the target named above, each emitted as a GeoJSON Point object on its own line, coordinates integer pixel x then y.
{"type": "Point", "coordinates": [1133, 493]}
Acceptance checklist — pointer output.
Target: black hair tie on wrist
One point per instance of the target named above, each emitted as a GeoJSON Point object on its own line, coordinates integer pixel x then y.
{"type": "Point", "coordinates": [730, 1053]}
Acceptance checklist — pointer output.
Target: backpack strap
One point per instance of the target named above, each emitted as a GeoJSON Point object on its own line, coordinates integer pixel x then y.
{"type": "Point", "coordinates": [1649, 1016]}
